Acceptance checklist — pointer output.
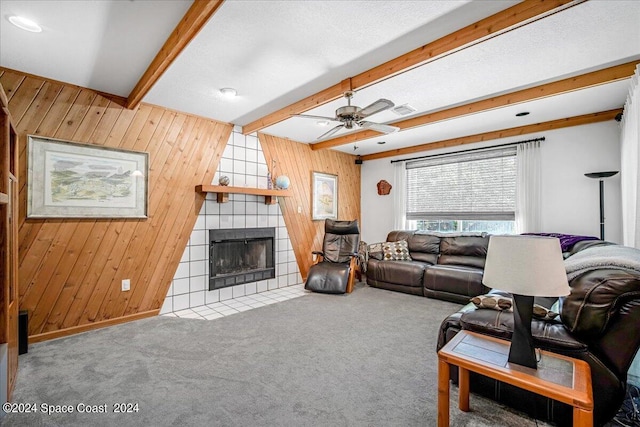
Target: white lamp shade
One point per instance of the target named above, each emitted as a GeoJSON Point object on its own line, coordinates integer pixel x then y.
{"type": "Point", "coordinates": [526, 265]}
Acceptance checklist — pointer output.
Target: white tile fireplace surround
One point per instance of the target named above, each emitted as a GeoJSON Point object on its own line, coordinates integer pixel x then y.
{"type": "Point", "coordinates": [244, 164]}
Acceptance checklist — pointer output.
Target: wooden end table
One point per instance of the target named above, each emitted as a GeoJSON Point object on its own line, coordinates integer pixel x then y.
{"type": "Point", "coordinates": [558, 377]}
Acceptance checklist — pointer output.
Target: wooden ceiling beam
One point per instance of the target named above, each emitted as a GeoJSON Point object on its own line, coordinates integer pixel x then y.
{"type": "Point", "coordinates": [498, 134]}
{"type": "Point", "coordinates": [583, 81]}
{"type": "Point", "coordinates": [327, 95]}
{"type": "Point", "coordinates": [186, 30]}
{"type": "Point", "coordinates": [499, 23]}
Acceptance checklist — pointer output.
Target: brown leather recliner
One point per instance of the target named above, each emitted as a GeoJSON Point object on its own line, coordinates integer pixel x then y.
{"type": "Point", "coordinates": [335, 267]}
{"type": "Point", "coordinates": [599, 323]}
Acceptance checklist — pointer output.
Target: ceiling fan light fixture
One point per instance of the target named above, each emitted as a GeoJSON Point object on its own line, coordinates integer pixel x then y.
{"type": "Point", "coordinates": [25, 24]}
{"type": "Point", "coordinates": [352, 117]}
{"type": "Point", "coordinates": [229, 92]}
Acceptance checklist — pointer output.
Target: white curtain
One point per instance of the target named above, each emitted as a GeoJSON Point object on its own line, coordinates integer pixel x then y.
{"type": "Point", "coordinates": [399, 196]}
{"type": "Point", "coordinates": [630, 161]}
{"type": "Point", "coordinates": [528, 211]}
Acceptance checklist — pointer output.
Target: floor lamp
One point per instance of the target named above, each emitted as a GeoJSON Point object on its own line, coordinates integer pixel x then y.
{"type": "Point", "coordinates": [601, 176]}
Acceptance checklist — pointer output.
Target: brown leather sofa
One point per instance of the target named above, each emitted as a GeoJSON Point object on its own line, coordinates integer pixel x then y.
{"type": "Point", "coordinates": [448, 268]}
{"type": "Point", "coordinates": [599, 323]}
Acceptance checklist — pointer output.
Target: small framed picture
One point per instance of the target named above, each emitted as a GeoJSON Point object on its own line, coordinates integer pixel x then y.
{"type": "Point", "coordinates": [324, 196]}
{"type": "Point", "coordinates": [71, 180]}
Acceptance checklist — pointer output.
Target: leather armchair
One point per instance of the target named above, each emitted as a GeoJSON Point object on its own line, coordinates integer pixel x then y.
{"type": "Point", "coordinates": [335, 267]}
{"type": "Point", "coordinates": [598, 323]}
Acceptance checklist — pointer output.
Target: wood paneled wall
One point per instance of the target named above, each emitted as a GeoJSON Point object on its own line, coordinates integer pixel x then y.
{"type": "Point", "coordinates": [298, 161]}
{"type": "Point", "coordinates": [71, 270]}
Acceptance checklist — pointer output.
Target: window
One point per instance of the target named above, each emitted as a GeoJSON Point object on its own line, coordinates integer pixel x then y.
{"type": "Point", "coordinates": [472, 191]}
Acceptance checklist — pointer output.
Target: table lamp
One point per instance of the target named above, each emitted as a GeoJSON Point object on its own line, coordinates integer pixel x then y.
{"type": "Point", "coordinates": [525, 266]}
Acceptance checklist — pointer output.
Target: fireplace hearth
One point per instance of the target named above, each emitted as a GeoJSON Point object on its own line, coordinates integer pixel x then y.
{"type": "Point", "coordinates": [238, 256]}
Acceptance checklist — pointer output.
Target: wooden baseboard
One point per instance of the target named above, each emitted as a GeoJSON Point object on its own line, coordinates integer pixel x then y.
{"type": "Point", "coordinates": [84, 328]}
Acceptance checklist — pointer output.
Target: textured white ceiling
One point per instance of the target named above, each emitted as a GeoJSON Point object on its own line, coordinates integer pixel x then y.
{"type": "Point", "coordinates": [277, 52]}
{"type": "Point", "coordinates": [562, 45]}
{"type": "Point", "coordinates": [104, 45]}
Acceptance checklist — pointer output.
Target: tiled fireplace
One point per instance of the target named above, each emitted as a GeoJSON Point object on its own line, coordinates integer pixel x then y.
{"type": "Point", "coordinates": [244, 163]}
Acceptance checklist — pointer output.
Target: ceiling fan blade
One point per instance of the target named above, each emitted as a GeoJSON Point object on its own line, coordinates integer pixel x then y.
{"type": "Point", "coordinates": [376, 107]}
{"type": "Point", "coordinates": [379, 127]}
{"type": "Point", "coordinates": [331, 131]}
{"type": "Point", "coordinates": [309, 116]}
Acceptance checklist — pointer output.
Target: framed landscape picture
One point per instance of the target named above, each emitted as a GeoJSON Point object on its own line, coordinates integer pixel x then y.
{"type": "Point", "coordinates": [324, 197]}
{"type": "Point", "coordinates": [71, 180]}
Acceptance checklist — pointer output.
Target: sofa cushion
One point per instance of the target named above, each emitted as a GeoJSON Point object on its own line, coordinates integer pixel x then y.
{"type": "Point", "coordinates": [454, 279]}
{"type": "Point", "coordinates": [467, 251]}
{"type": "Point", "coordinates": [396, 251]}
{"type": "Point", "coordinates": [550, 335]}
{"type": "Point", "coordinates": [423, 247]}
{"type": "Point", "coordinates": [397, 235]}
{"type": "Point", "coordinates": [409, 273]}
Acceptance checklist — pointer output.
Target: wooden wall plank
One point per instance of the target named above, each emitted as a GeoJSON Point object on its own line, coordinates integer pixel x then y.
{"type": "Point", "coordinates": [107, 276]}
{"type": "Point", "coordinates": [297, 161]}
{"type": "Point", "coordinates": [191, 208]}
{"type": "Point", "coordinates": [39, 108]}
{"type": "Point", "coordinates": [11, 82]}
{"type": "Point", "coordinates": [70, 270]}
{"type": "Point", "coordinates": [137, 248]}
{"type": "Point", "coordinates": [128, 126]}
{"type": "Point", "coordinates": [175, 192]}
{"type": "Point", "coordinates": [180, 232]}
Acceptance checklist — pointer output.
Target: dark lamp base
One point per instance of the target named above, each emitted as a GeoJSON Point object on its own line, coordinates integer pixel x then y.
{"type": "Point", "coordinates": [522, 350]}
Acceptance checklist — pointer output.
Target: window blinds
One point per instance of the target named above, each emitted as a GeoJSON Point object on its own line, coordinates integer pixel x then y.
{"type": "Point", "coordinates": [479, 185]}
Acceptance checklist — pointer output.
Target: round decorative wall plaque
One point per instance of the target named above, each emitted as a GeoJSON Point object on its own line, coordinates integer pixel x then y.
{"type": "Point", "coordinates": [384, 188]}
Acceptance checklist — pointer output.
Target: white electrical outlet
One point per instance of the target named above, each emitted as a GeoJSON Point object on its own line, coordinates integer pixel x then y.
{"type": "Point", "coordinates": [126, 284]}
{"type": "Point", "coordinates": [299, 209]}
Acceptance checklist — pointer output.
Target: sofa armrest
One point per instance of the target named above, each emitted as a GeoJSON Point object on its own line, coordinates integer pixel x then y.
{"type": "Point", "coordinates": [451, 325]}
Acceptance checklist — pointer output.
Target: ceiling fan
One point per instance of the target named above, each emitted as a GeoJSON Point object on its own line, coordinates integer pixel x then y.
{"type": "Point", "coordinates": [352, 115]}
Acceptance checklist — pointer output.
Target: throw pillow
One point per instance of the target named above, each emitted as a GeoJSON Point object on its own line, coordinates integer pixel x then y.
{"type": "Point", "coordinates": [375, 251]}
{"type": "Point", "coordinates": [543, 313]}
{"type": "Point", "coordinates": [494, 302]}
{"type": "Point", "coordinates": [396, 251]}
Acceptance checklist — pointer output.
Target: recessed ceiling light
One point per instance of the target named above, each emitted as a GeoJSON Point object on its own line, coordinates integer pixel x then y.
{"type": "Point", "coordinates": [382, 142]}
{"type": "Point", "coordinates": [323, 123]}
{"type": "Point", "coordinates": [228, 92]}
{"type": "Point", "coordinates": [25, 24]}
{"type": "Point", "coordinates": [524, 113]}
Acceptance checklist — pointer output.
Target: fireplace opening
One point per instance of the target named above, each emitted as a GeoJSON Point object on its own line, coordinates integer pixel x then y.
{"type": "Point", "coordinates": [238, 256]}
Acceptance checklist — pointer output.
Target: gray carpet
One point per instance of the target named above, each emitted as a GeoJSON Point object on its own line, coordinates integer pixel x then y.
{"type": "Point", "coordinates": [364, 359]}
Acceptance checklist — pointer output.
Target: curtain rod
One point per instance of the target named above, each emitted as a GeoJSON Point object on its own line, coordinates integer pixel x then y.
{"type": "Point", "coordinates": [469, 150]}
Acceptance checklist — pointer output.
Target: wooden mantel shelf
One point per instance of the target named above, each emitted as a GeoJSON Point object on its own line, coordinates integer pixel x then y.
{"type": "Point", "coordinates": [222, 192]}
